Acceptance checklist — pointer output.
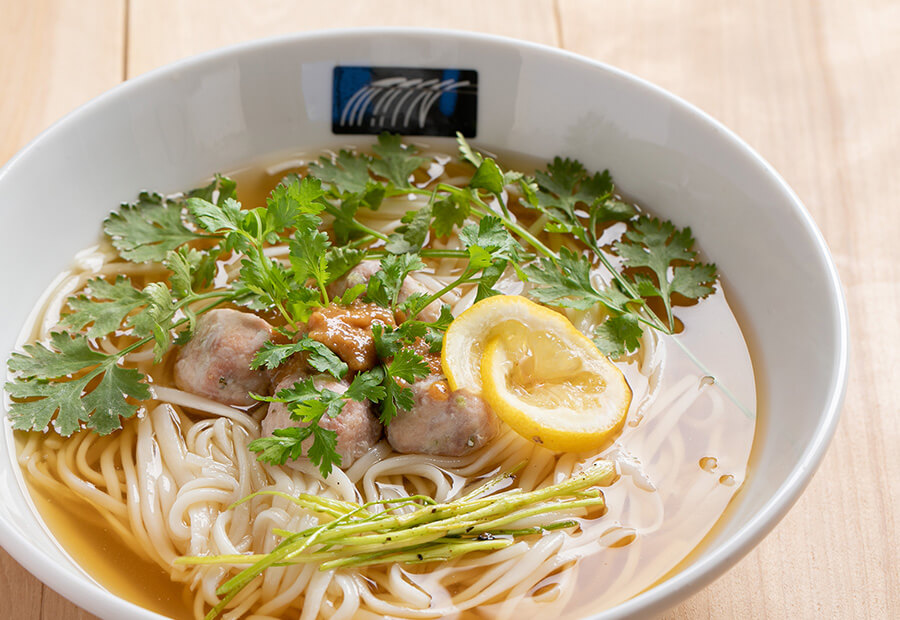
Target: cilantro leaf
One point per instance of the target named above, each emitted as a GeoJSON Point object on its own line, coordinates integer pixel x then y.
{"type": "Point", "coordinates": [489, 277]}
{"type": "Point", "coordinates": [303, 390]}
{"type": "Point", "coordinates": [661, 248]}
{"type": "Point", "coordinates": [406, 367]}
{"type": "Point", "coordinates": [451, 211]}
{"type": "Point", "coordinates": [388, 340]}
{"type": "Point", "coordinates": [66, 355]}
{"type": "Point", "coordinates": [366, 386]}
{"type": "Point", "coordinates": [294, 202]}
{"type": "Point", "coordinates": [432, 333]}
{"type": "Point", "coordinates": [148, 229]}
{"type": "Point", "coordinates": [385, 284]}
{"type": "Point", "coordinates": [219, 190]}
{"type": "Point", "coordinates": [272, 355]}
{"type": "Point", "coordinates": [568, 286]}
{"type": "Point", "coordinates": [106, 404]}
{"type": "Point", "coordinates": [618, 335]}
{"type": "Point", "coordinates": [229, 216]}
{"type": "Point", "coordinates": [567, 193]}
{"type": "Point", "coordinates": [285, 444]}
{"type": "Point", "coordinates": [292, 197]}
{"type": "Point", "coordinates": [397, 398]}
{"type": "Point", "coordinates": [103, 305]}
{"type": "Point", "coordinates": [227, 188]}
{"type": "Point", "coordinates": [694, 282]}
{"type": "Point", "coordinates": [263, 282]}
{"type": "Point", "coordinates": [490, 248]}
{"type": "Point", "coordinates": [466, 152]}
{"type": "Point", "coordinates": [341, 260]}
{"type": "Point", "coordinates": [411, 235]}
{"type": "Point", "coordinates": [488, 177]}
{"type": "Point", "coordinates": [309, 256]}
{"type": "Point", "coordinates": [488, 174]}
{"type": "Point", "coordinates": [45, 400]}
{"type": "Point", "coordinates": [288, 444]}
{"type": "Point", "coordinates": [343, 226]}
{"type": "Point", "coordinates": [479, 258]}
{"type": "Point", "coordinates": [350, 295]}
{"type": "Point", "coordinates": [204, 271]}
{"type": "Point", "coordinates": [611, 210]}
{"type": "Point", "coordinates": [348, 173]}
{"type": "Point", "coordinates": [302, 302]}
{"type": "Point", "coordinates": [319, 356]}
{"type": "Point", "coordinates": [566, 183]}
{"type": "Point", "coordinates": [490, 234]}
{"type": "Point", "coordinates": [306, 402]}
{"type": "Point", "coordinates": [183, 263]}
{"type": "Point", "coordinates": [157, 318]}
{"type": "Point", "coordinates": [323, 451]}
{"type": "Point", "coordinates": [396, 161]}
{"type": "Point", "coordinates": [444, 319]}
{"type": "Point", "coordinates": [41, 395]}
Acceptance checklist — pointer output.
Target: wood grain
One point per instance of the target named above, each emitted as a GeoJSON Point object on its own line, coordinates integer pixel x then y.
{"type": "Point", "coordinates": [813, 86]}
{"type": "Point", "coordinates": [54, 56]}
{"type": "Point", "coordinates": [192, 27]}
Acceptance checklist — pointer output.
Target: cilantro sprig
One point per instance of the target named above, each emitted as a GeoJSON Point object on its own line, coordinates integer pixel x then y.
{"type": "Point", "coordinates": [386, 386]}
{"type": "Point", "coordinates": [658, 258]}
{"type": "Point", "coordinates": [72, 385]}
{"type": "Point", "coordinates": [307, 403]}
{"type": "Point", "coordinates": [264, 282]}
{"type": "Point", "coordinates": [69, 383]}
{"type": "Point", "coordinates": [318, 356]}
{"type": "Point", "coordinates": [403, 368]}
{"type": "Point", "coordinates": [489, 248]}
{"type": "Point", "coordinates": [638, 279]}
{"type": "Point", "coordinates": [668, 253]}
{"type": "Point", "coordinates": [46, 387]}
{"type": "Point", "coordinates": [147, 230]}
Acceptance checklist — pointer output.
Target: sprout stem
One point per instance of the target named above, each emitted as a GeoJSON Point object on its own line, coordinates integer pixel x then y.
{"type": "Point", "coordinates": [355, 535]}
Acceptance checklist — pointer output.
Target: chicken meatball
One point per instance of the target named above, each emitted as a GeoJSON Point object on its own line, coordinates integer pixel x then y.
{"type": "Point", "coordinates": [442, 422]}
{"type": "Point", "coordinates": [216, 361]}
{"type": "Point", "coordinates": [357, 428]}
{"type": "Point", "coordinates": [366, 269]}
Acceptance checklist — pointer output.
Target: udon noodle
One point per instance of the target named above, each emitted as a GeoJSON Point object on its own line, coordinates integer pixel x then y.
{"type": "Point", "coordinates": [165, 484]}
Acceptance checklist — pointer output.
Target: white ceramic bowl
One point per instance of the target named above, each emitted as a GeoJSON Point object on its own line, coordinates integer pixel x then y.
{"type": "Point", "coordinates": [175, 126]}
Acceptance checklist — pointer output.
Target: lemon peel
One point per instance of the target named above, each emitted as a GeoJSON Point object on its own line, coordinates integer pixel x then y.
{"type": "Point", "coordinates": [539, 374]}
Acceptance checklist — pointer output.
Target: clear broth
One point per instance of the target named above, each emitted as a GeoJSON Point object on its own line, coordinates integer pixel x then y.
{"type": "Point", "coordinates": [679, 469]}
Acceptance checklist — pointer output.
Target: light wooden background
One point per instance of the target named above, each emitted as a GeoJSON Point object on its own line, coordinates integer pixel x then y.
{"type": "Point", "coordinates": [813, 86]}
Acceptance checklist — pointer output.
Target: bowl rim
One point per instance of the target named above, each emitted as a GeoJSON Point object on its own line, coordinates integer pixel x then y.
{"type": "Point", "coordinates": [664, 594]}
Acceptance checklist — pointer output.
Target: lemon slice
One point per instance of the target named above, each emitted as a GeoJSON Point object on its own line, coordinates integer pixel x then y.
{"type": "Point", "coordinates": [542, 376]}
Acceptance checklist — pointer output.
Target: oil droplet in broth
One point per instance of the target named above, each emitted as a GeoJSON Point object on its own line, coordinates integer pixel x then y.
{"type": "Point", "coordinates": [708, 464]}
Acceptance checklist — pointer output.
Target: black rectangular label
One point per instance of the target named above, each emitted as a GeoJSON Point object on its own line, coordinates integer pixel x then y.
{"type": "Point", "coordinates": [404, 100]}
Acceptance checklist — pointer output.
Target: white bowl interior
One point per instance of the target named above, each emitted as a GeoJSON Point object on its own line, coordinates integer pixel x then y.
{"type": "Point", "coordinates": [175, 127]}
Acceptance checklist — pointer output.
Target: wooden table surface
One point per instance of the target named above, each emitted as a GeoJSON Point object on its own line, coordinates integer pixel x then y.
{"type": "Point", "coordinates": [813, 86]}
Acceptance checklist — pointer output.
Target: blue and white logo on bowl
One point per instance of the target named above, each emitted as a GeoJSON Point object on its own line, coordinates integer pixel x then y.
{"type": "Point", "coordinates": [405, 100]}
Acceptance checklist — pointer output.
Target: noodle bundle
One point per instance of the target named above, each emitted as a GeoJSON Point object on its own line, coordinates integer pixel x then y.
{"type": "Point", "coordinates": [170, 483]}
